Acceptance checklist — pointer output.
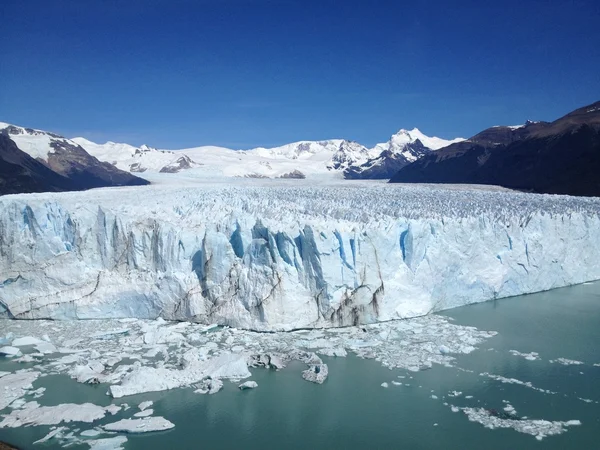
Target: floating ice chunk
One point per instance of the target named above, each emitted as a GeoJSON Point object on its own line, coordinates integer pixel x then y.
{"type": "Point", "coordinates": [53, 433]}
{"type": "Point", "coordinates": [46, 347]}
{"type": "Point", "coordinates": [316, 373]}
{"type": "Point", "coordinates": [384, 385]}
{"type": "Point", "coordinates": [396, 383]}
{"type": "Point", "coordinates": [3, 374]}
{"type": "Point", "coordinates": [538, 428]}
{"type": "Point", "coordinates": [113, 443]}
{"type": "Point", "coordinates": [9, 351]}
{"type": "Point", "coordinates": [454, 394]}
{"type": "Point", "coordinates": [91, 433]}
{"type": "Point", "coordinates": [144, 413]}
{"type": "Point", "coordinates": [147, 404]}
{"type": "Point", "coordinates": [533, 356]}
{"type": "Point", "coordinates": [144, 425]}
{"type": "Point", "coordinates": [14, 386]}
{"type": "Point", "coordinates": [113, 409]}
{"type": "Point", "coordinates": [34, 414]}
{"type": "Point", "coordinates": [24, 341]}
{"type": "Point", "coordinates": [209, 386]}
{"type": "Point", "coordinates": [444, 349]}
{"type": "Point", "coordinates": [248, 385]}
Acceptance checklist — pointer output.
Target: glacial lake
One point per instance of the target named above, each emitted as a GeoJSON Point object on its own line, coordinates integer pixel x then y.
{"type": "Point", "coordinates": [352, 410]}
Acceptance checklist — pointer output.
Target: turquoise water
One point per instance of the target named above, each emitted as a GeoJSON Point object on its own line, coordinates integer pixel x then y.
{"type": "Point", "coordinates": [351, 410]}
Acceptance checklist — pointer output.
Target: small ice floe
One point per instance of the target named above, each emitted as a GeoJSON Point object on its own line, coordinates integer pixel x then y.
{"type": "Point", "coordinates": [113, 409]}
{"type": "Point", "coordinates": [24, 341]}
{"type": "Point", "coordinates": [9, 351]}
{"type": "Point", "coordinates": [113, 443]}
{"type": "Point", "coordinates": [566, 362]}
{"type": "Point", "coordinates": [533, 356]}
{"type": "Point", "coordinates": [34, 414]}
{"type": "Point", "coordinates": [454, 394]}
{"type": "Point", "coordinates": [538, 428]}
{"type": "Point", "coordinates": [515, 381]}
{"type": "Point", "coordinates": [91, 433]}
{"type": "Point", "coordinates": [444, 350]}
{"type": "Point", "coordinates": [248, 385]}
{"type": "Point", "coordinates": [144, 413]}
{"type": "Point", "coordinates": [396, 383]}
{"type": "Point", "coordinates": [433, 396]}
{"type": "Point", "coordinates": [147, 404]}
{"type": "Point", "coordinates": [144, 425]}
{"type": "Point", "coordinates": [46, 348]}
{"type": "Point", "coordinates": [384, 385]}
{"type": "Point", "coordinates": [316, 373]}
{"type": "Point", "coordinates": [54, 433]}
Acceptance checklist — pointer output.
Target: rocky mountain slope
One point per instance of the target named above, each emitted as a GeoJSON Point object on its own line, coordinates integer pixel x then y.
{"type": "Point", "coordinates": [61, 156]}
{"type": "Point", "coordinates": [560, 157]}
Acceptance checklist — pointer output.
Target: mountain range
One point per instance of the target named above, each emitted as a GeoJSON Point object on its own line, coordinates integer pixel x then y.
{"type": "Point", "coordinates": [559, 157]}
{"type": "Point", "coordinates": [34, 160]}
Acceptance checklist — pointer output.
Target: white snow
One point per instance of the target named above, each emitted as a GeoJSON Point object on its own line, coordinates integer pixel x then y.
{"type": "Point", "coordinates": [144, 425]}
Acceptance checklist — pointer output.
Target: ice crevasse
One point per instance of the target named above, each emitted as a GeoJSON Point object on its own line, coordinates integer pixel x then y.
{"type": "Point", "coordinates": [273, 258]}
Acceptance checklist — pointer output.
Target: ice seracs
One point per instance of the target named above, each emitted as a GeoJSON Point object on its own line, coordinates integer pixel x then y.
{"type": "Point", "coordinates": [282, 257]}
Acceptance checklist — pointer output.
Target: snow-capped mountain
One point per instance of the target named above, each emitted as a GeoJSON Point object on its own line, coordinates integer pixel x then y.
{"type": "Point", "coordinates": [401, 149]}
{"type": "Point", "coordinates": [336, 158]}
{"type": "Point", "coordinates": [137, 159]}
{"type": "Point", "coordinates": [65, 158]}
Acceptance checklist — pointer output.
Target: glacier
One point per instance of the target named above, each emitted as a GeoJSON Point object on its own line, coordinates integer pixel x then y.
{"type": "Point", "coordinates": [280, 256]}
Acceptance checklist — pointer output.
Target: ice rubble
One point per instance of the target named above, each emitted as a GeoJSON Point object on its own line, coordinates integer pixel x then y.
{"type": "Point", "coordinates": [538, 428]}
{"type": "Point", "coordinates": [280, 258]}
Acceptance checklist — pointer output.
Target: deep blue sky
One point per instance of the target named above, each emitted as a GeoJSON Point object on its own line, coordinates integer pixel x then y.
{"type": "Point", "coordinates": [243, 73]}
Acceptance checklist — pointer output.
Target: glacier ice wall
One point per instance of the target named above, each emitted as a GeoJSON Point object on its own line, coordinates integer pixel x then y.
{"type": "Point", "coordinates": [272, 258]}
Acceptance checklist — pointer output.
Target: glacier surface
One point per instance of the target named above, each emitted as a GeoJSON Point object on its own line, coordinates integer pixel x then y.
{"type": "Point", "coordinates": [279, 256]}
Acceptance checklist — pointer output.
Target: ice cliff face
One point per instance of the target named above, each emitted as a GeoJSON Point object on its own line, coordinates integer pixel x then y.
{"type": "Point", "coordinates": [271, 258]}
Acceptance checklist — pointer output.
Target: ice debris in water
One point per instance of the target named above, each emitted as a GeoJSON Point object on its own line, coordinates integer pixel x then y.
{"type": "Point", "coordinates": [533, 356]}
{"type": "Point", "coordinates": [147, 404]}
{"type": "Point", "coordinates": [202, 357]}
{"type": "Point", "coordinates": [493, 419]}
{"type": "Point", "coordinates": [506, 380]}
{"type": "Point", "coordinates": [566, 362]}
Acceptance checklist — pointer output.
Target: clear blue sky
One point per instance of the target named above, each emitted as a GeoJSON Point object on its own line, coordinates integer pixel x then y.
{"type": "Point", "coordinates": [243, 73]}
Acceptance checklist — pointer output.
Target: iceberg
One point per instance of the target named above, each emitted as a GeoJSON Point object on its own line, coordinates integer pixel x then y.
{"type": "Point", "coordinates": [269, 258]}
